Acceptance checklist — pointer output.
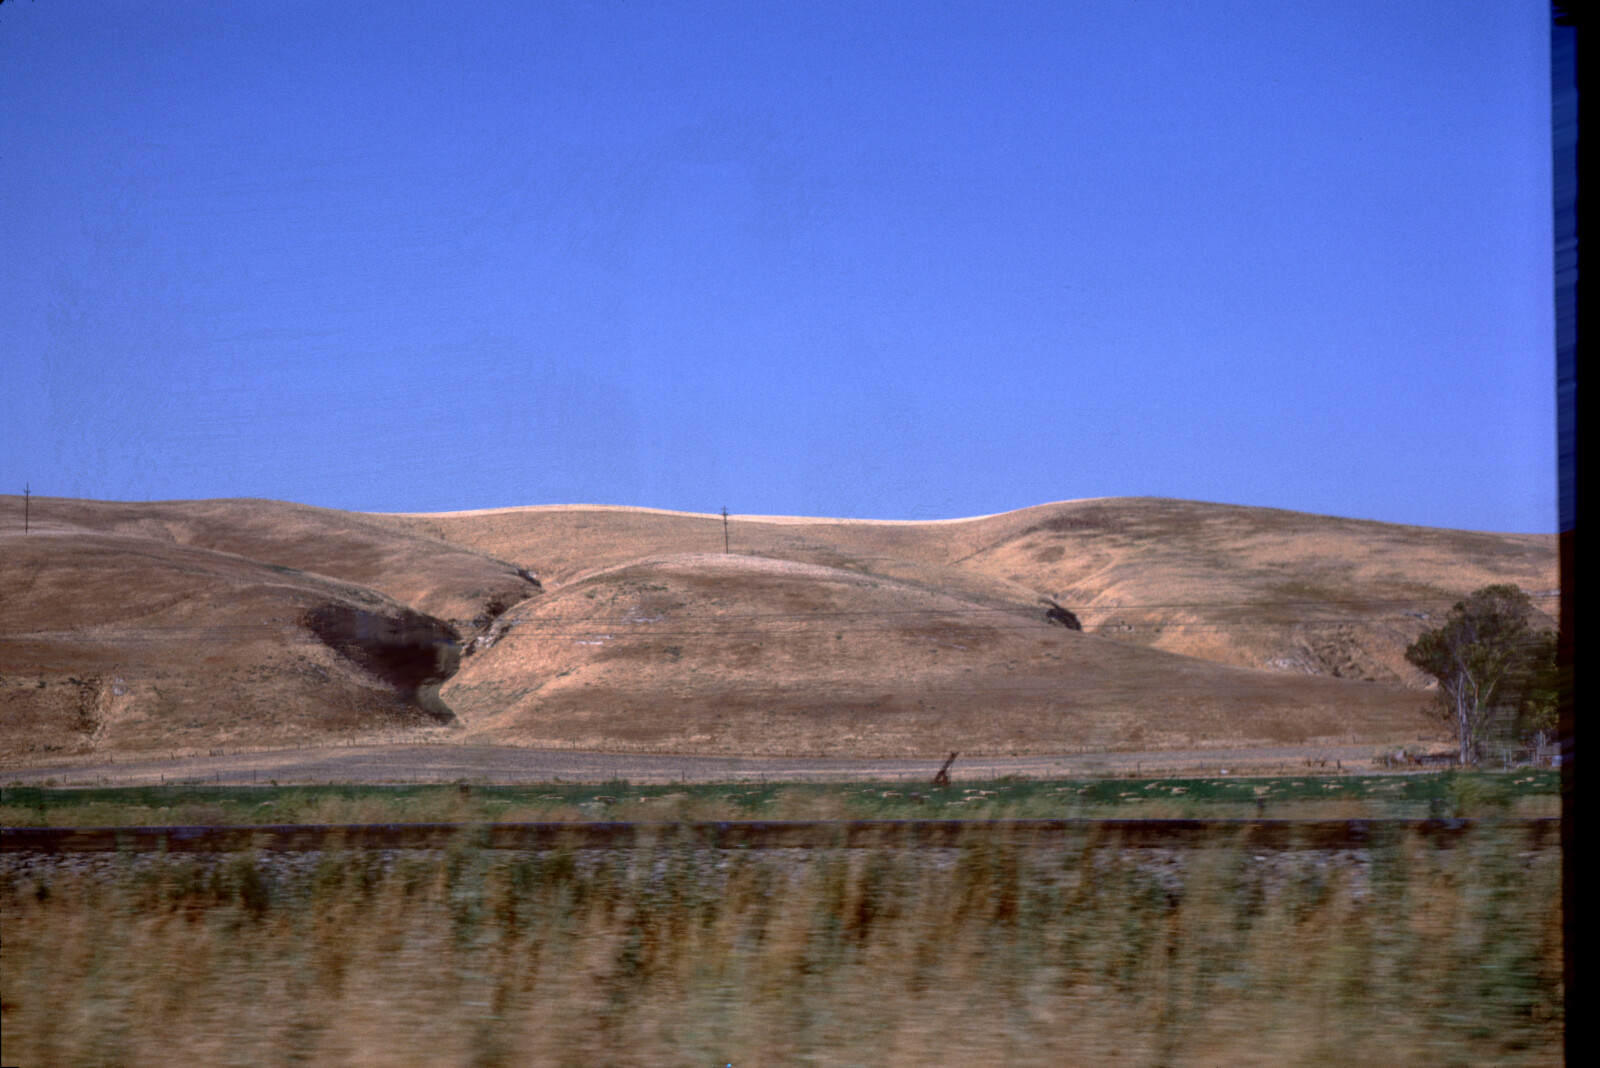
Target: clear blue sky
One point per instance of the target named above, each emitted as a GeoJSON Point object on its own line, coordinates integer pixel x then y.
{"type": "Point", "coordinates": [876, 260]}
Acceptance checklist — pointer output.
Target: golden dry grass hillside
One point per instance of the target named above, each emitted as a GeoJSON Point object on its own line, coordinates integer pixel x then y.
{"type": "Point", "coordinates": [739, 654]}
{"type": "Point", "coordinates": [1253, 587]}
{"type": "Point", "coordinates": [116, 644]}
{"type": "Point", "coordinates": [448, 581]}
{"type": "Point", "coordinates": [188, 624]}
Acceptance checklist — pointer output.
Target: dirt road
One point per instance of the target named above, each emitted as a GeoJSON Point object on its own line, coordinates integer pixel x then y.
{"type": "Point", "coordinates": [448, 763]}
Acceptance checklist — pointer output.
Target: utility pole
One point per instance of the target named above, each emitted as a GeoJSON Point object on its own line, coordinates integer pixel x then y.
{"type": "Point", "coordinates": [724, 530]}
{"type": "Point", "coordinates": [24, 507]}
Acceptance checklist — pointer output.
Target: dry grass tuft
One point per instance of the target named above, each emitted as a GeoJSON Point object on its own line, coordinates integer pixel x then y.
{"type": "Point", "coordinates": [989, 954]}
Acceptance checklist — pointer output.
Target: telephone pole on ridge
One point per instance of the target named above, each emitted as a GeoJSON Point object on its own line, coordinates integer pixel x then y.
{"type": "Point", "coordinates": [724, 530]}
{"type": "Point", "coordinates": [25, 507]}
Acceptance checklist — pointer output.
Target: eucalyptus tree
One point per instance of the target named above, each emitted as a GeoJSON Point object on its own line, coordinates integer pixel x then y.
{"type": "Point", "coordinates": [1489, 657]}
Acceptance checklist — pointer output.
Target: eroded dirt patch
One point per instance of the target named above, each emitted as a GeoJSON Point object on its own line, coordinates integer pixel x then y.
{"type": "Point", "coordinates": [412, 652]}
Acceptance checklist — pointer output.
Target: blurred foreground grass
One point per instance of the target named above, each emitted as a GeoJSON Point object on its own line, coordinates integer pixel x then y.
{"type": "Point", "coordinates": [993, 953]}
{"type": "Point", "coordinates": [1523, 793]}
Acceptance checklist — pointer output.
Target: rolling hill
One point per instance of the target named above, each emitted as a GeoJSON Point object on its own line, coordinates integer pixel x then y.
{"type": "Point", "coordinates": [128, 627]}
{"type": "Point", "coordinates": [1252, 587]}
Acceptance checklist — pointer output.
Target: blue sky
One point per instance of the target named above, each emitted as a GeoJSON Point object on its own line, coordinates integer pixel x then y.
{"type": "Point", "coordinates": [874, 260]}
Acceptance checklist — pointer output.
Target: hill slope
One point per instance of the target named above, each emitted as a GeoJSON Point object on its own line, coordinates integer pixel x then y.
{"type": "Point", "coordinates": [735, 654]}
{"type": "Point", "coordinates": [1252, 587]}
{"type": "Point", "coordinates": [447, 581]}
{"type": "Point", "coordinates": [129, 626]}
{"type": "Point", "coordinates": [112, 643]}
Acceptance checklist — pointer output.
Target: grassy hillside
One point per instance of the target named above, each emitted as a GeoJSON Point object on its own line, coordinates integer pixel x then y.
{"type": "Point", "coordinates": [119, 644]}
{"type": "Point", "coordinates": [1252, 587]}
{"type": "Point", "coordinates": [710, 653]}
{"type": "Point", "coordinates": [130, 627]}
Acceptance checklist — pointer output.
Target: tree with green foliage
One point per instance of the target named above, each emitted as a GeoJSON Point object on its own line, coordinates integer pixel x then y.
{"type": "Point", "coordinates": [1489, 659]}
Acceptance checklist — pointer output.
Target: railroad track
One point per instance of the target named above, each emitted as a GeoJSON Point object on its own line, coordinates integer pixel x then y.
{"type": "Point", "coordinates": [1263, 834]}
